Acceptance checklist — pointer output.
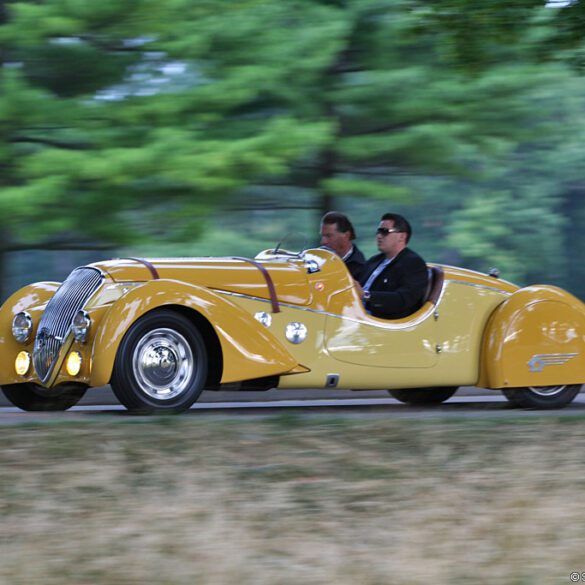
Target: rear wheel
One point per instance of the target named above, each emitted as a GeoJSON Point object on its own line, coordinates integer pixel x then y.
{"type": "Point", "coordinates": [542, 397]}
{"type": "Point", "coordinates": [32, 397]}
{"type": "Point", "coordinates": [161, 364]}
{"type": "Point", "coordinates": [424, 396]}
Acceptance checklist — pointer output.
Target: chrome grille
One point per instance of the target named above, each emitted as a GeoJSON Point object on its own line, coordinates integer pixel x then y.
{"type": "Point", "coordinates": [55, 323]}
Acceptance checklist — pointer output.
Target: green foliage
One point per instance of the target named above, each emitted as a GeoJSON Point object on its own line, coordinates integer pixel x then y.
{"type": "Point", "coordinates": [516, 232]}
{"type": "Point", "coordinates": [84, 131]}
{"type": "Point", "coordinates": [127, 123]}
{"type": "Point", "coordinates": [367, 188]}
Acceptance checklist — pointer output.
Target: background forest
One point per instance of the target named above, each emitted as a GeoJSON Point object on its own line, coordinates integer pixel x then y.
{"type": "Point", "coordinates": [214, 127]}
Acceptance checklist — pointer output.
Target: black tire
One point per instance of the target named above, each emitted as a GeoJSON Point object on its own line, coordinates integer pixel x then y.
{"type": "Point", "coordinates": [161, 364]}
{"type": "Point", "coordinates": [32, 397]}
{"type": "Point", "coordinates": [542, 397]}
{"type": "Point", "coordinates": [424, 396]}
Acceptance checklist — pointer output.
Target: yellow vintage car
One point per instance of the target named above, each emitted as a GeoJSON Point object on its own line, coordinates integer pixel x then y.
{"type": "Point", "coordinates": [162, 330]}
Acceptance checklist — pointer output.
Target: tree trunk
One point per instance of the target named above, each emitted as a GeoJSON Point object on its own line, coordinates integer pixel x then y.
{"type": "Point", "coordinates": [325, 170]}
{"type": "Point", "coordinates": [574, 212]}
{"type": "Point", "coordinates": [2, 268]}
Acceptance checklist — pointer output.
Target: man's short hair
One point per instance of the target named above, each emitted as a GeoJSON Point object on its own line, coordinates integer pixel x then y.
{"type": "Point", "coordinates": [400, 223]}
{"type": "Point", "coordinates": [341, 222]}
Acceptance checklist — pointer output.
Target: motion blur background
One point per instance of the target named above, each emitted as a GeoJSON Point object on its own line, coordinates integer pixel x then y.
{"type": "Point", "coordinates": [217, 127]}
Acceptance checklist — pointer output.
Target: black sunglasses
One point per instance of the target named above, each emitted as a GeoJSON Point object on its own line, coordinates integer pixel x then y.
{"type": "Point", "coordinates": [383, 231]}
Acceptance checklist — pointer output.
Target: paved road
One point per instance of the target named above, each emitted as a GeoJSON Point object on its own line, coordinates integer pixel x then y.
{"type": "Point", "coordinates": [468, 402]}
{"type": "Point", "coordinates": [105, 396]}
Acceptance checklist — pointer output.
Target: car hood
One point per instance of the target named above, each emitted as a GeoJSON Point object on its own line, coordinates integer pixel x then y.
{"type": "Point", "coordinates": [235, 275]}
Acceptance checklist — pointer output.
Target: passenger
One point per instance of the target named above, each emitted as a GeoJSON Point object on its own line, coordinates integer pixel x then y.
{"type": "Point", "coordinates": [394, 282]}
{"type": "Point", "coordinates": [338, 234]}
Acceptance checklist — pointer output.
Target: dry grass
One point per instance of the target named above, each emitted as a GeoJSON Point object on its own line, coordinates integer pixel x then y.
{"type": "Point", "coordinates": [290, 500]}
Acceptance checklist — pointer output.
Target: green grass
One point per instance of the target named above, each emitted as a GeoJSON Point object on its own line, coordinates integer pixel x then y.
{"type": "Point", "coordinates": [289, 500]}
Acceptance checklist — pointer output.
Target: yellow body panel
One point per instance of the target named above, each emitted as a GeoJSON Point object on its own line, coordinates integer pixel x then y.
{"type": "Point", "coordinates": [31, 298]}
{"type": "Point", "coordinates": [436, 346]}
{"type": "Point", "coordinates": [535, 338]}
{"type": "Point", "coordinates": [481, 331]}
{"type": "Point", "coordinates": [372, 342]}
{"type": "Point", "coordinates": [483, 282]}
{"type": "Point", "coordinates": [243, 340]}
{"type": "Point", "coordinates": [226, 274]}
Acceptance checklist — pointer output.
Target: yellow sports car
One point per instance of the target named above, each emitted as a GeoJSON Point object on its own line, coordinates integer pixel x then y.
{"type": "Point", "coordinates": [162, 330]}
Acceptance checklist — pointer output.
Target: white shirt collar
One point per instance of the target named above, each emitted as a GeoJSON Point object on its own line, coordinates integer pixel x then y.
{"type": "Point", "coordinates": [348, 254]}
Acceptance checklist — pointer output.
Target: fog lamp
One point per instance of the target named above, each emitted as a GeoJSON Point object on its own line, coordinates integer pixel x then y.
{"type": "Point", "coordinates": [73, 364]}
{"type": "Point", "coordinates": [80, 326]}
{"type": "Point", "coordinates": [22, 327]}
{"type": "Point", "coordinates": [22, 363]}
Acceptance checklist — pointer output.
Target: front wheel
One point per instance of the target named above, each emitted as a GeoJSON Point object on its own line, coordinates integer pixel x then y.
{"type": "Point", "coordinates": [32, 397]}
{"type": "Point", "coordinates": [161, 364]}
{"type": "Point", "coordinates": [424, 396]}
{"type": "Point", "coordinates": [542, 397]}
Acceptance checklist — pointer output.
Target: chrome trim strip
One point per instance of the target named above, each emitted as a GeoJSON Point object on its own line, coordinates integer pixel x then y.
{"type": "Point", "coordinates": [475, 285]}
{"type": "Point", "coordinates": [381, 324]}
{"type": "Point", "coordinates": [260, 300]}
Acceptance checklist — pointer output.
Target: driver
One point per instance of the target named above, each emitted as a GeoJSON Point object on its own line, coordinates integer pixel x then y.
{"type": "Point", "coordinates": [337, 233]}
{"type": "Point", "coordinates": [394, 282]}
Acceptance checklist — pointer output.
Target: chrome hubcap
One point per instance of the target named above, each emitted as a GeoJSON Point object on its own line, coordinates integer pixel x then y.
{"type": "Point", "coordinates": [163, 364]}
{"type": "Point", "coordinates": [547, 390]}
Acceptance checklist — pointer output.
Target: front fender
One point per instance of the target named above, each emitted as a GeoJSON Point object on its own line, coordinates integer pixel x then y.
{"type": "Point", "coordinates": [33, 299]}
{"type": "Point", "coordinates": [535, 338]}
{"type": "Point", "coordinates": [249, 350]}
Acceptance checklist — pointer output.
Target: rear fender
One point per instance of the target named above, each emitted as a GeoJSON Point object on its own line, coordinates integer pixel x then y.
{"type": "Point", "coordinates": [535, 338]}
{"type": "Point", "coordinates": [248, 349]}
{"type": "Point", "coordinates": [33, 299]}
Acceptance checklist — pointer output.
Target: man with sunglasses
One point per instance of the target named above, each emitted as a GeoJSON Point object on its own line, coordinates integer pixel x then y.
{"type": "Point", "coordinates": [337, 233]}
{"type": "Point", "coordinates": [394, 282]}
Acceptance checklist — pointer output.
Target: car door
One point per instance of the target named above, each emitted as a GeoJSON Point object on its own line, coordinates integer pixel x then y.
{"type": "Point", "coordinates": [358, 338]}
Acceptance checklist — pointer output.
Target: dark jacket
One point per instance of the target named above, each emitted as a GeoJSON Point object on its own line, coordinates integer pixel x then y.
{"type": "Point", "coordinates": [399, 289]}
{"type": "Point", "coordinates": [355, 262]}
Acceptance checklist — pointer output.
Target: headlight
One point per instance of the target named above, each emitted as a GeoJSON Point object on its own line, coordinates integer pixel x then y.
{"type": "Point", "coordinates": [22, 327]}
{"type": "Point", "coordinates": [22, 363]}
{"type": "Point", "coordinates": [80, 326]}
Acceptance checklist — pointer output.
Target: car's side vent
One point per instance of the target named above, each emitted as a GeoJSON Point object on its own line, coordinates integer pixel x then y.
{"type": "Point", "coordinates": [55, 323]}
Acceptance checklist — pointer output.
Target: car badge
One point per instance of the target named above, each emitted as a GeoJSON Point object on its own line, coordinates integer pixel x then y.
{"type": "Point", "coordinates": [539, 361]}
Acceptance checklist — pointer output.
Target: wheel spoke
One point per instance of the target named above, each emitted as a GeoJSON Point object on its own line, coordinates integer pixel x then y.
{"type": "Point", "coordinates": [163, 364]}
{"type": "Point", "coordinates": [542, 396]}
{"type": "Point", "coordinates": [547, 390]}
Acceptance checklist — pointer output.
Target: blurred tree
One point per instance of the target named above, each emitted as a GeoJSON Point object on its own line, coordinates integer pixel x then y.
{"type": "Point", "coordinates": [568, 41]}
{"type": "Point", "coordinates": [405, 88]}
{"type": "Point", "coordinates": [104, 139]}
{"type": "Point", "coordinates": [126, 121]}
{"type": "Point", "coordinates": [513, 214]}
{"type": "Point", "coordinates": [521, 212]}
{"type": "Point", "coordinates": [53, 56]}
{"type": "Point", "coordinates": [567, 45]}
{"type": "Point", "coordinates": [397, 97]}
